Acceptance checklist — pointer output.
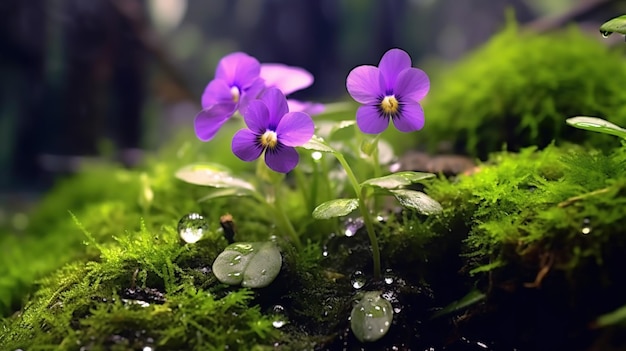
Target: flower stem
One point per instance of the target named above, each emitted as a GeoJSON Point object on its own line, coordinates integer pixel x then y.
{"type": "Point", "coordinates": [364, 213]}
{"type": "Point", "coordinates": [283, 221]}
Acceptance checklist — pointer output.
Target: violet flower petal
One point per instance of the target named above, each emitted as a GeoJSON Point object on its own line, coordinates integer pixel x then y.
{"type": "Point", "coordinates": [282, 160]}
{"type": "Point", "coordinates": [217, 91]}
{"type": "Point", "coordinates": [250, 94]}
{"type": "Point", "coordinates": [276, 104]}
{"type": "Point", "coordinates": [365, 84]}
{"type": "Point", "coordinates": [211, 119]}
{"type": "Point", "coordinates": [295, 129]}
{"type": "Point", "coordinates": [411, 118]}
{"type": "Point", "coordinates": [412, 84]}
{"type": "Point", "coordinates": [370, 120]}
{"type": "Point", "coordinates": [245, 145]}
{"type": "Point", "coordinates": [257, 116]}
{"type": "Point", "coordinates": [238, 69]}
{"type": "Point", "coordinates": [308, 107]}
{"type": "Point", "coordinates": [391, 64]}
{"type": "Point", "coordinates": [286, 78]}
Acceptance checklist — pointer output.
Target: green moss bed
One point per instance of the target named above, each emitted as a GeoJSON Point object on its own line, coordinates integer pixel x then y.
{"type": "Point", "coordinates": [528, 253]}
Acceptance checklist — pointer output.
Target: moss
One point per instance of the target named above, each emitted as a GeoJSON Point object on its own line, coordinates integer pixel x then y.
{"type": "Point", "coordinates": [543, 238]}
{"type": "Point", "coordinates": [518, 89]}
{"type": "Point", "coordinates": [515, 230]}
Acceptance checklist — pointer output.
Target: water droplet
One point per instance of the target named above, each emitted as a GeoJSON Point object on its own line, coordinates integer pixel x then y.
{"type": "Point", "coordinates": [358, 280]}
{"type": "Point", "coordinates": [605, 33]}
{"type": "Point", "coordinates": [146, 348]}
{"type": "Point", "coordinates": [352, 226]}
{"type": "Point", "coordinates": [482, 344]}
{"type": "Point", "coordinates": [136, 302]}
{"type": "Point", "coordinates": [235, 260]}
{"type": "Point", "coordinates": [316, 155]}
{"type": "Point", "coordinates": [327, 309]}
{"type": "Point", "coordinates": [192, 227]}
{"type": "Point", "coordinates": [586, 226]}
{"type": "Point", "coordinates": [388, 276]}
{"type": "Point", "coordinates": [280, 316]}
{"type": "Point", "coordinates": [325, 251]}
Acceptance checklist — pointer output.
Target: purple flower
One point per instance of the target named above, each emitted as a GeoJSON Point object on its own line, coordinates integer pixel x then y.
{"type": "Point", "coordinates": [290, 79]}
{"type": "Point", "coordinates": [391, 91]}
{"type": "Point", "coordinates": [272, 130]}
{"type": "Point", "coordinates": [239, 79]}
{"type": "Point", "coordinates": [236, 82]}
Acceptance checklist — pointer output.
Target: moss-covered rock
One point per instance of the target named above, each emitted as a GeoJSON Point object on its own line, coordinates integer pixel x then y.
{"type": "Point", "coordinates": [537, 235]}
{"type": "Point", "coordinates": [518, 89]}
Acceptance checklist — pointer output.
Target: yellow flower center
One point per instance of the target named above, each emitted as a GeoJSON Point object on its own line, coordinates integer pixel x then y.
{"type": "Point", "coordinates": [269, 139]}
{"type": "Point", "coordinates": [389, 105]}
{"type": "Point", "coordinates": [234, 91]}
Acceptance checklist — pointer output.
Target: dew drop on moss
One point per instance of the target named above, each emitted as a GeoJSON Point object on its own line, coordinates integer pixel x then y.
{"type": "Point", "coordinates": [280, 316]}
{"type": "Point", "coordinates": [352, 226]}
{"type": "Point", "coordinates": [388, 276]}
{"type": "Point", "coordinates": [358, 280]}
{"type": "Point", "coordinates": [586, 229]}
{"type": "Point", "coordinates": [192, 227]}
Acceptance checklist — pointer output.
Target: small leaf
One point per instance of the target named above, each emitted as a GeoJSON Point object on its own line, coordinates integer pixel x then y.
{"type": "Point", "coordinates": [343, 124]}
{"type": "Point", "coordinates": [335, 208]}
{"type": "Point", "coordinates": [615, 25]}
{"type": "Point", "coordinates": [326, 129]}
{"type": "Point", "coordinates": [368, 146]}
{"type": "Point", "coordinates": [397, 180]}
{"type": "Point", "coordinates": [471, 298]}
{"type": "Point", "coordinates": [371, 317]}
{"type": "Point", "coordinates": [418, 201]}
{"type": "Point", "coordinates": [617, 316]}
{"type": "Point", "coordinates": [317, 144]}
{"type": "Point", "coordinates": [225, 192]}
{"type": "Point", "coordinates": [209, 174]}
{"type": "Point", "coordinates": [595, 124]}
{"type": "Point", "coordinates": [253, 265]}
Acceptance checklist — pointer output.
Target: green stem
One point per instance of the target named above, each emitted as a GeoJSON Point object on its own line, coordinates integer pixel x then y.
{"type": "Point", "coordinates": [364, 213]}
{"type": "Point", "coordinates": [377, 173]}
{"type": "Point", "coordinates": [283, 221]}
{"type": "Point", "coordinates": [301, 184]}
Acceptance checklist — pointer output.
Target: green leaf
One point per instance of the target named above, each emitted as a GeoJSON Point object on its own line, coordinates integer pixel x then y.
{"type": "Point", "coordinates": [317, 144]}
{"type": "Point", "coordinates": [369, 146]}
{"type": "Point", "coordinates": [253, 265]}
{"type": "Point", "coordinates": [371, 317]}
{"type": "Point", "coordinates": [335, 208]}
{"type": "Point", "coordinates": [327, 129]}
{"type": "Point", "coordinates": [615, 25]}
{"type": "Point", "coordinates": [397, 180]}
{"type": "Point", "coordinates": [343, 124]}
{"type": "Point", "coordinates": [595, 124]}
{"type": "Point", "coordinates": [471, 298]}
{"type": "Point", "coordinates": [209, 174]}
{"type": "Point", "coordinates": [615, 317]}
{"type": "Point", "coordinates": [226, 192]}
{"type": "Point", "coordinates": [418, 201]}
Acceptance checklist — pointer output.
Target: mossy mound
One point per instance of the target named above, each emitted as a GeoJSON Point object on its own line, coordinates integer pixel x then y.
{"type": "Point", "coordinates": [520, 87]}
{"type": "Point", "coordinates": [545, 242]}
{"type": "Point", "coordinates": [537, 236]}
